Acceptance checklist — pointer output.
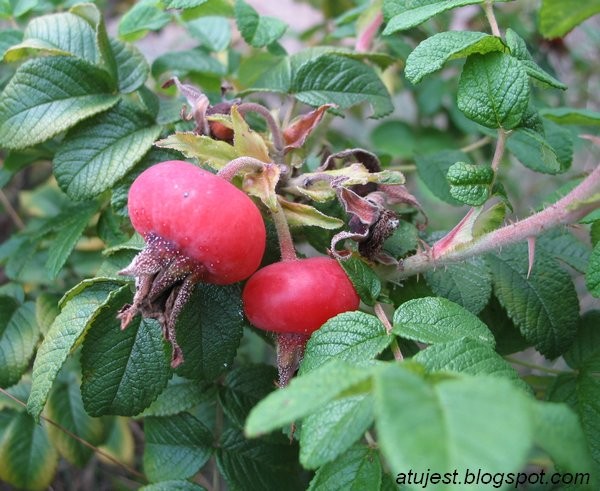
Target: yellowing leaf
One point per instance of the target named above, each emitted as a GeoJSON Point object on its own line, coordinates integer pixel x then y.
{"type": "Point", "coordinates": [246, 141]}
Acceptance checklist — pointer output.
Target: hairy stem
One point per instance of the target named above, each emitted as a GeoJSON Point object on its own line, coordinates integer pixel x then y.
{"type": "Point", "coordinates": [488, 8]}
{"type": "Point", "coordinates": [286, 243]}
{"type": "Point", "coordinates": [499, 152]}
{"type": "Point", "coordinates": [482, 142]}
{"type": "Point", "coordinates": [241, 164]}
{"type": "Point", "coordinates": [274, 127]}
{"type": "Point", "coordinates": [381, 315]}
{"type": "Point", "coordinates": [567, 210]}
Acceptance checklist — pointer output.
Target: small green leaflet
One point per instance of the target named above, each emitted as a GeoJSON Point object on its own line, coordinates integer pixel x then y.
{"type": "Point", "coordinates": [357, 469]}
{"type": "Point", "coordinates": [175, 447]}
{"type": "Point", "coordinates": [469, 183]}
{"type": "Point", "coordinates": [571, 115]}
{"type": "Point", "coordinates": [139, 368]}
{"type": "Point", "coordinates": [537, 153]}
{"type": "Point", "coordinates": [213, 31]}
{"type": "Point", "coordinates": [431, 55]}
{"type": "Point", "coordinates": [68, 90]}
{"type": "Point", "coordinates": [216, 153]}
{"type": "Point", "coordinates": [438, 320]}
{"type": "Point", "coordinates": [132, 67]}
{"type": "Point", "coordinates": [101, 150]}
{"type": "Point", "coordinates": [592, 277]}
{"type": "Point", "coordinates": [144, 16]}
{"type": "Point", "coordinates": [558, 17]}
{"type": "Point", "coordinates": [519, 50]}
{"type": "Point", "coordinates": [183, 63]}
{"type": "Point", "coordinates": [405, 14]}
{"type": "Point", "coordinates": [64, 334]}
{"type": "Point", "coordinates": [432, 170]}
{"type": "Point", "coordinates": [258, 31]}
{"type": "Point", "coordinates": [364, 279]}
{"type": "Point", "coordinates": [19, 334]}
{"type": "Point", "coordinates": [423, 426]}
{"type": "Point", "coordinates": [493, 90]}
{"type": "Point", "coordinates": [56, 34]}
{"type": "Point", "coordinates": [181, 394]}
{"type": "Point", "coordinates": [354, 337]}
{"type": "Point", "coordinates": [330, 431]}
{"type": "Point", "coordinates": [544, 306]}
{"type": "Point", "coordinates": [305, 395]}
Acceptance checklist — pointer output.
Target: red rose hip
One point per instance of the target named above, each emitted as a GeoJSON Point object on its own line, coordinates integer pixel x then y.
{"type": "Point", "coordinates": [197, 227]}
{"type": "Point", "coordinates": [294, 299]}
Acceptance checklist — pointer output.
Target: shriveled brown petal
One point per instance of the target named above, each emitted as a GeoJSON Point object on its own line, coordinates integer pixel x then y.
{"type": "Point", "coordinates": [298, 131]}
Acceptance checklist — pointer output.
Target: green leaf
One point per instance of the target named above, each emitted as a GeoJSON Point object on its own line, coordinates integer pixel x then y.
{"type": "Point", "coordinates": [468, 356]}
{"type": "Point", "coordinates": [406, 14]}
{"type": "Point", "coordinates": [544, 306]}
{"type": "Point", "coordinates": [551, 154]}
{"type": "Point", "coordinates": [175, 447]}
{"type": "Point", "coordinates": [569, 115]}
{"type": "Point", "coordinates": [144, 16]}
{"type": "Point", "coordinates": [558, 432]}
{"type": "Point", "coordinates": [56, 34]}
{"type": "Point", "coordinates": [565, 247]}
{"type": "Point", "coordinates": [592, 277]}
{"type": "Point", "coordinates": [447, 426]}
{"type": "Point", "coordinates": [215, 153]}
{"type": "Point", "coordinates": [582, 392]}
{"type": "Point", "coordinates": [558, 17]}
{"type": "Point", "coordinates": [358, 469]}
{"type": "Point", "coordinates": [66, 330]}
{"type": "Point", "coordinates": [139, 362]}
{"type": "Point", "coordinates": [354, 337]}
{"type": "Point", "coordinates": [585, 351]}
{"type": "Point", "coordinates": [213, 32]}
{"type": "Point", "coordinates": [431, 55]}
{"type": "Point", "coordinates": [493, 90]}
{"type": "Point", "coordinates": [173, 485]}
{"type": "Point", "coordinates": [258, 465]}
{"type": "Point", "coordinates": [68, 233]}
{"type": "Point", "coordinates": [432, 170]}
{"type": "Point", "coordinates": [209, 331]}
{"type": "Point", "coordinates": [46, 310]}
{"type": "Point", "coordinates": [49, 95]}
{"type": "Point", "coordinates": [65, 407]}
{"type": "Point", "coordinates": [304, 395]}
{"type": "Point", "coordinates": [184, 4]}
{"type": "Point", "coordinates": [332, 79]}
{"type": "Point", "coordinates": [100, 151]}
{"type": "Point", "coordinates": [8, 38]}
{"type": "Point", "coordinates": [330, 431]}
{"type": "Point", "coordinates": [469, 183]}
{"type": "Point", "coordinates": [179, 395]}
{"type": "Point", "coordinates": [438, 320]}
{"type": "Point", "coordinates": [519, 50]}
{"type": "Point", "coordinates": [185, 63]}
{"type": "Point", "coordinates": [364, 279]}
{"type": "Point", "coordinates": [468, 284]}
{"type": "Point", "coordinates": [19, 334]}
{"type": "Point", "coordinates": [257, 31]}
{"type": "Point", "coordinates": [302, 215]}
{"type": "Point", "coordinates": [132, 67]}
{"type": "Point", "coordinates": [28, 459]}
{"type": "Point", "coordinates": [243, 388]}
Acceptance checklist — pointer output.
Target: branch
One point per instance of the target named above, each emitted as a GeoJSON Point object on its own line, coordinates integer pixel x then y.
{"type": "Point", "coordinates": [569, 209]}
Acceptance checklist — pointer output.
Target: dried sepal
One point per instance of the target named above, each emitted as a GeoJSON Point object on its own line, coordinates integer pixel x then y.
{"type": "Point", "coordinates": [300, 128]}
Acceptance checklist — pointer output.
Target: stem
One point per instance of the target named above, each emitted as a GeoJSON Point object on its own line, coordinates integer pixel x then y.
{"type": "Point", "coordinates": [489, 13]}
{"type": "Point", "coordinates": [568, 209]}
{"type": "Point", "coordinates": [534, 367]}
{"type": "Point", "coordinates": [499, 152]}
{"type": "Point", "coordinates": [95, 449]}
{"type": "Point", "coordinates": [11, 211]}
{"type": "Point", "coordinates": [477, 144]}
{"type": "Point", "coordinates": [286, 243]}
{"type": "Point", "coordinates": [274, 127]}
{"type": "Point", "coordinates": [380, 313]}
{"type": "Point", "coordinates": [241, 164]}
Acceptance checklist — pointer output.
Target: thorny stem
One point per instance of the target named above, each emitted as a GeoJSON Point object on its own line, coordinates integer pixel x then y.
{"type": "Point", "coordinates": [488, 8]}
{"type": "Point", "coordinates": [240, 164]}
{"type": "Point", "coordinates": [380, 313]}
{"type": "Point", "coordinates": [85, 443]}
{"type": "Point", "coordinates": [274, 127]}
{"type": "Point", "coordinates": [286, 243]}
{"type": "Point", "coordinates": [568, 209]}
{"type": "Point", "coordinates": [11, 211]}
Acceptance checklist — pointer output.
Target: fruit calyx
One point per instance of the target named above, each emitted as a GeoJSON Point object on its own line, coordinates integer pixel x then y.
{"type": "Point", "coordinates": [164, 281]}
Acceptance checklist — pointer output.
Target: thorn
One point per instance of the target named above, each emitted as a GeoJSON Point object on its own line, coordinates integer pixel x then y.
{"type": "Point", "coordinates": [531, 254]}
